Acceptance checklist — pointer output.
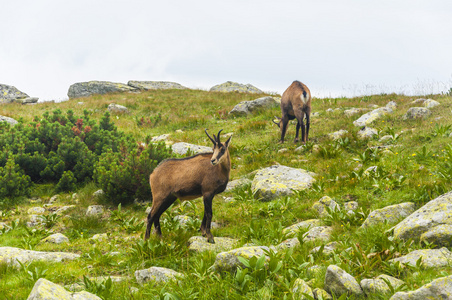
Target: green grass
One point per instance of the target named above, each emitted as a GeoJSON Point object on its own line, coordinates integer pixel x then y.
{"type": "Point", "coordinates": [416, 168]}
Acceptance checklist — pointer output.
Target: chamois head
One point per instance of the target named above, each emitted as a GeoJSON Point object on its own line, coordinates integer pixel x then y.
{"type": "Point", "coordinates": [219, 150]}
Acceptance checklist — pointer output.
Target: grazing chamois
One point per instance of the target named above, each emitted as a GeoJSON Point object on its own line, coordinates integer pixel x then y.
{"type": "Point", "coordinates": [295, 103]}
{"type": "Point", "coordinates": [204, 174]}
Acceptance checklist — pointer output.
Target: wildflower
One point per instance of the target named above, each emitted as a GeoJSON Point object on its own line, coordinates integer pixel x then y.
{"type": "Point", "coordinates": [414, 154]}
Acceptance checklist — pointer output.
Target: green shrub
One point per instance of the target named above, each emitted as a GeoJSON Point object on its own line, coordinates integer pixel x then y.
{"type": "Point", "coordinates": [13, 182]}
{"type": "Point", "coordinates": [67, 182]}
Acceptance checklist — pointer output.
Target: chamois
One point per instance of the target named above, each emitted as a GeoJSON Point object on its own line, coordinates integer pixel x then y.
{"type": "Point", "coordinates": [295, 103]}
{"type": "Point", "coordinates": [188, 178]}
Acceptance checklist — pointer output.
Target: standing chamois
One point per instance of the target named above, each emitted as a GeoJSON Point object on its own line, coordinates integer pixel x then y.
{"type": "Point", "coordinates": [295, 103]}
{"type": "Point", "coordinates": [204, 174]}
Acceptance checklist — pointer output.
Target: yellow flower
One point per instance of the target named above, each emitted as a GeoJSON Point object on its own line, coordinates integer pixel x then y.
{"type": "Point", "coordinates": [414, 154]}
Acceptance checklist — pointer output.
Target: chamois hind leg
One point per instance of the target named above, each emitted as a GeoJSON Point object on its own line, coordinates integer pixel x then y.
{"type": "Point", "coordinates": [284, 121]}
{"type": "Point", "coordinates": [300, 115]}
{"type": "Point", "coordinates": [157, 209]}
{"type": "Point", "coordinates": [208, 217]}
{"type": "Point", "coordinates": [297, 131]}
{"type": "Point", "coordinates": [308, 114]}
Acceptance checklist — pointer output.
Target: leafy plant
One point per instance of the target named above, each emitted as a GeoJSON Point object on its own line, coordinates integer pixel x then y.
{"type": "Point", "coordinates": [103, 289]}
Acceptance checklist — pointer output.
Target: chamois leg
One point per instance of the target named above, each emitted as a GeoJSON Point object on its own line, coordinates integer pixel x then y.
{"type": "Point", "coordinates": [208, 217]}
{"type": "Point", "coordinates": [158, 208]}
{"type": "Point", "coordinates": [297, 131]}
{"type": "Point", "coordinates": [299, 114]}
{"type": "Point", "coordinates": [284, 121]}
{"type": "Point", "coordinates": [307, 124]}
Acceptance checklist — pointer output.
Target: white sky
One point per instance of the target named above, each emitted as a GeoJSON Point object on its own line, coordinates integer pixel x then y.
{"type": "Point", "coordinates": [336, 48]}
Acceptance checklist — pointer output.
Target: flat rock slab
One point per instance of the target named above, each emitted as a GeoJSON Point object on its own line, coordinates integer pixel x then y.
{"type": "Point", "coordinates": [390, 214]}
{"type": "Point", "coordinates": [222, 244]}
{"type": "Point", "coordinates": [182, 148]}
{"type": "Point", "coordinates": [440, 288]}
{"type": "Point", "coordinates": [157, 275]}
{"type": "Point", "coordinates": [228, 261]}
{"type": "Point", "coordinates": [230, 86]}
{"type": "Point", "coordinates": [370, 117]}
{"type": "Point", "coordinates": [12, 256]}
{"type": "Point", "coordinates": [431, 258]}
{"type": "Point", "coordinates": [277, 181]}
{"type": "Point", "coordinates": [47, 290]}
{"type": "Point", "coordinates": [155, 85]}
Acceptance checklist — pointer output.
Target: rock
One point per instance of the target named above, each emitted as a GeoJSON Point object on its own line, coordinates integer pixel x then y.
{"type": "Point", "coordinates": [375, 114]}
{"type": "Point", "coordinates": [98, 193]}
{"type": "Point", "coordinates": [337, 134]}
{"type": "Point", "coordinates": [238, 183]}
{"type": "Point", "coordinates": [419, 101]}
{"type": "Point", "coordinates": [392, 105]}
{"type": "Point", "coordinates": [379, 286]}
{"type": "Point", "coordinates": [439, 235]}
{"type": "Point", "coordinates": [29, 100]}
{"type": "Point", "coordinates": [47, 290]}
{"type": "Point", "coordinates": [86, 89]}
{"type": "Point", "coordinates": [100, 237]}
{"type": "Point", "coordinates": [116, 108]}
{"type": "Point", "coordinates": [327, 249]}
{"type": "Point", "coordinates": [321, 294]}
{"type": "Point", "coordinates": [94, 210]}
{"type": "Point", "coordinates": [56, 238]}
{"type": "Point", "coordinates": [10, 94]}
{"type": "Point", "coordinates": [390, 214]}
{"type": "Point", "coordinates": [54, 199]}
{"type": "Point", "coordinates": [324, 202]}
{"type": "Point", "coordinates": [277, 181]}
{"type": "Point", "coordinates": [367, 133]}
{"type": "Point", "coordinates": [352, 111]}
{"type": "Point", "coordinates": [157, 275]}
{"type": "Point", "coordinates": [36, 211]}
{"type": "Point", "coordinates": [182, 219]}
{"type": "Point", "coordinates": [246, 107]}
{"type": "Point", "coordinates": [436, 212]}
{"type": "Point", "coordinates": [155, 85]}
{"type": "Point", "coordinates": [299, 288]}
{"type": "Point", "coordinates": [289, 243]}
{"type": "Point", "coordinates": [222, 244]}
{"type": "Point", "coordinates": [8, 120]}
{"type": "Point", "coordinates": [228, 261]}
{"type": "Point", "coordinates": [35, 220]}
{"type": "Point", "coordinates": [351, 206]}
{"type": "Point", "coordinates": [429, 103]}
{"type": "Point", "coordinates": [322, 233]}
{"type": "Point", "coordinates": [11, 256]}
{"type": "Point", "coordinates": [440, 288]}
{"type": "Point", "coordinates": [417, 113]}
{"type": "Point", "coordinates": [230, 86]}
{"type": "Point", "coordinates": [431, 258]}
{"type": "Point", "coordinates": [338, 282]}
{"type": "Point", "coordinates": [182, 148]}
{"type": "Point", "coordinates": [294, 229]}
{"type": "Point", "coordinates": [160, 138]}
{"type": "Point", "coordinates": [64, 209]}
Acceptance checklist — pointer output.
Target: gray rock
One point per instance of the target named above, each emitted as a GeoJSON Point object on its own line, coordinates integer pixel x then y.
{"type": "Point", "coordinates": [228, 261]}
{"type": "Point", "coordinates": [9, 120]}
{"type": "Point", "coordinates": [440, 288]}
{"type": "Point", "coordinates": [160, 138]}
{"type": "Point", "coordinates": [29, 100]}
{"type": "Point", "coordinates": [431, 258]}
{"type": "Point", "coordinates": [47, 290]}
{"type": "Point", "coordinates": [327, 249]}
{"type": "Point", "coordinates": [352, 111]}
{"type": "Point", "coordinates": [98, 193]}
{"type": "Point", "coordinates": [338, 282]}
{"type": "Point", "coordinates": [294, 229]}
{"type": "Point", "coordinates": [430, 103]}
{"type": "Point", "coordinates": [370, 117]}
{"type": "Point", "coordinates": [324, 202]}
{"type": "Point", "coordinates": [299, 288]}
{"type": "Point", "coordinates": [367, 133]}
{"type": "Point", "coordinates": [182, 148]}
{"type": "Point", "coordinates": [246, 107]}
{"type": "Point", "coordinates": [392, 105]}
{"type": "Point", "coordinates": [390, 214]}
{"type": "Point", "coordinates": [436, 212]}
{"type": "Point", "coordinates": [157, 275]}
{"type": "Point", "coordinates": [321, 294]}
{"type": "Point", "coordinates": [36, 210]}
{"type": "Point", "coordinates": [116, 108]}
{"type": "Point", "coordinates": [230, 86]}
{"type": "Point", "coordinates": [95, 210]}
{"type": "Point", "coordinates": [417, 113]}
{"type": "Point", "coordinates": [322, 233]}
{"type": "Point", "coordinates": [155, 85]}
{"type": "Point", "coordinates": [379, 284]}
{"type": "Point", "coordinates": [64, 209]}
{"type": "Point", "coordinates": [35, 220]}
{"type": "Point", "coordinates": [222, 244]}
{"type": "Point", "coordinates": [419, 101]}
{"type": "Point", "coordinates": [100, 237]}
{"type": "Point", "coordinates": [86, 89]}
{"type": "Point", "coordinates": [276, 181]}
{"type": "Point", "coordinates": [10, 94]}
{"type": "Point", "coordinates": [56, 238]}
{"type": "Point", "coordinates": [237, 183]}
{"type": "Point", "coordinates": [337, 134]}
{"type": "Point", "coordinates": [439, 235]}
{"type": "Point", "coordinates": [11, 256]}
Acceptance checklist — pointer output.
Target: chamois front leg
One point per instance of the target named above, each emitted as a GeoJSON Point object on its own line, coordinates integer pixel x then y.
{"type": "Point", "coordinates": [284, 121]}
{"type": "Point", "coordinates": [208, 217]}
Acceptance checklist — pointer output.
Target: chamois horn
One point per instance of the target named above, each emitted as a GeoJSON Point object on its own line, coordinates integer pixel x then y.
{"type": "Point", "coordinates": [213, 141]}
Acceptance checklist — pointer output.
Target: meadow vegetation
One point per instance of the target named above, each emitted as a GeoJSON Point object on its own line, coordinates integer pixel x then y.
{"type": "Point", "coordinates": [416, 168]}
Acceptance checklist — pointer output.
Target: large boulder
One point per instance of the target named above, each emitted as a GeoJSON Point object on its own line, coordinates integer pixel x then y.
{"type": "Point", "coordinates": [390, 214]}
{"type": "Point", "coordinates": [440, 288]}
{"type": "Point", "coordinates": [9, 120]}
{"type": "Point", "coordinates": [370, 117]}
{"type": "Point", "coordinates": [379, 285]}
{"type": "Point", "coordinates": [338, 282]}
{"type": "Point", "coordinates": [155, 85]}
{"type": "Point", "coordinates": [12, 256]}
{"type": "Point", "coordinates": [47, 290]}
{"type": "Point", "coordinates": [300, 288]}
{"type": "Point", "coordinates": [430, 258]}
{"type": "Point", "coordinates": [417, 113]}
{"type": "Point", "coordinates": [246, 107]}
{"type": "Point", "coordinates": [230, 86]}
{"type": "Point", "coordinates": [10, 94]}
{"type": "Point", "coordinates": [86, 89]}
{"type": "Point", "coordinates": [157, 275]}
{"type": "Point", "coordinates": [276, 181]}
{"type": "Point", "coordinates": [435, 213]}
{"type": "Point", "coordinates": [228, 261]}
{"type": "Point", "coordinates": [182, 148]}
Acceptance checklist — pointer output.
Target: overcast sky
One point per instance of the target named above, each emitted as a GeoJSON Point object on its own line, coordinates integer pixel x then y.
{"type": "Point", "coordinates": [335, 47]}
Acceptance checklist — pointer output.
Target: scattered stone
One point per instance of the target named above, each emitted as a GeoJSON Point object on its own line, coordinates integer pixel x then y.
{"type": "Point", "coordinates": [230, 86]}
{"type": "Point", "coordinates": [352, 111]}
{"type": "Point", "coordinates": [98, 193]}
{"type": "Point", "coordinates": [35, 220]}
{"type": "Point", "coordinates": [238, 183]}
{"type": "Point", "coordinates": [436, 212]}
{"type": "Point", "coordinates": [322, 233]}
{"type": "Point", "coordinates": [95, 210]}
{"type": "Point", "coordinates": [351, 206]}
{"type": "Point", "coordinates": [276, 181]}
{"type": "Point", "coordinates": [440, 288]}
{"type": "Point", "coordinates": [54, 198]}
{"type": "Point", "coordinates": [327, 249]}
{"type": "Point", "coordinates": [392, 105]}
{"type": "Point", "coordinates": [100, 237]}
{"type": "Point", "coordinates": [182, 148]}
{"type": "Point", "coordinates": [390, 214]}
{"type": "Point", "coordinates": [430, 103]}
{"type": "Point", "coordinates": [11, 256]}
{"type": "Point", "coordinates": [368, 118]}
{"type": "Point", "coordinates": [338, 282]}
{"type": "Point", "coordinates": [417, 113]}
{"type": "Point", "coordinates": [86, 89]}
{"type": "Point", "coordinates": [47, 290]}
{"type": "Point", "coordinates": [289, 243]}
{"type": "Point", "coordinates": [419, 101]}
{"type": "Point", "coordinates": [246, 107]}
{"type": "Point", "coordinates": [64, 209]}
{"type": "Point", "coordinates": [28, 100]}
{"type": "Point", "coordinates": [386, 138]}
{"type": "Point", "coordinates": [10, 94]}
{"type": "Point", "coordinates": [321, 294]}
{"type": "Point", "coordinates": [379, 285]}
{"type": "Point", "coordinates": [367, 133]}
{"type": "Point", "coordinates": [431, 258]}
{"type": "Point", "coordinates": [228, 261]}
{"type": "Point", "coordinates": [222, 244]}
{"type": "Point", "coordinates": [338, 134]}
{"type": "Point", "coordinates": [116, 108]}
{"type": "Point", "coordinates": [439, 235]}
{"type": "Point", "coordinates": [157, 275]}
{"type": "Point", "coordinates": [160, 138]}
{"type": "Point", "coordinates": [300, 287]}
{"type": "Point", "coordinates": [36, 211]}
{"type": "Point", "coordinates": [56, 238]}
{"type": "Point", "coordinates": [8, 120]}
{"type": "Point", "coordinates": [183, 219]}
{"type": "Point", "coordinates": [324, 202]}
{"type": "Point", "coordinates": [294, 229]}
{"type": "Point", "coordinates": [155, 85]}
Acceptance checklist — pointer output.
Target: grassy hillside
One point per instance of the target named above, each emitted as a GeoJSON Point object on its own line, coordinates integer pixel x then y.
{"type": "Point", "coordinates": [415, 167]}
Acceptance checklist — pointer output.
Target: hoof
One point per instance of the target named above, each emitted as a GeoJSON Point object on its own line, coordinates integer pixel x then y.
{"type": "Point", "coordinates": [211, 240]}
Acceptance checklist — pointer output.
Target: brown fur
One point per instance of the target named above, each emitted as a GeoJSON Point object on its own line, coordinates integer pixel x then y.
{"type": "Point", "coordinates": [293, 106]}
{"type": "Point", "coordinates": [202, 175]}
